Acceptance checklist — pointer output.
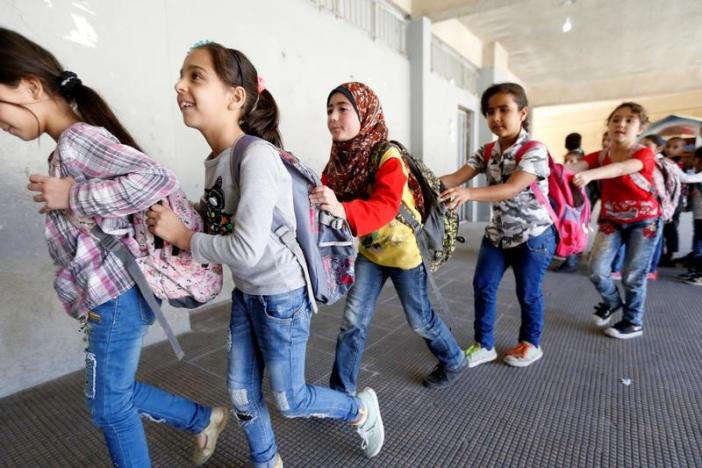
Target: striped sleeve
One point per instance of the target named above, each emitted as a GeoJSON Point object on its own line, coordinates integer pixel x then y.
{"type": "Point", "coordinates": [119, 179]}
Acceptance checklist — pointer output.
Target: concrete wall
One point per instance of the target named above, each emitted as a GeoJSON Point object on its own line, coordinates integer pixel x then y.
{"type": "Point", "coordinates": [131, 52]}
{"type": "Point", "coordinates": [136, 72]}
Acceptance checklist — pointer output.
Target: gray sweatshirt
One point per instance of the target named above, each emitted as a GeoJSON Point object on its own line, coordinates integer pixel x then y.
{"type": "Point", "coordinates": [239, 217]}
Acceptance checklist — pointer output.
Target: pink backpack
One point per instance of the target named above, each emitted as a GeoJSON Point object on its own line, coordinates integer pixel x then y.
{"type": "Point", "coordinates": [567, 205]}
{"type": "Point", "coordinates": [172, 274]}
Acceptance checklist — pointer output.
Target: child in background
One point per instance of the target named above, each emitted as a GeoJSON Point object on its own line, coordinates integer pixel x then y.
{"type": "Point", "coordinates": [694, 274]}
{"type": "Point", "coordinates": [106, 178]}
{"type": "Point", "coordinates": [221, 94]}
{"type": "Point", "coordinates": [674, 149]}
{"type": "Point", "coordinates": [630, 215]}
{"type": "Point", "coordinates": [520, 233]}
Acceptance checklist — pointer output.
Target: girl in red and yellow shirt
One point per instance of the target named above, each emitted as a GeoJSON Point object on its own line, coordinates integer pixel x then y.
{"type": "Point", "coordinates": [369, 199]}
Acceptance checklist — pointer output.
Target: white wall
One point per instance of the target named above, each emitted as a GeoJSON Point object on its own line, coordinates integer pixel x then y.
{"type": "Point", "coordinates": [442, 141]}
{"type": "Point", "coordinates": [131, 52]}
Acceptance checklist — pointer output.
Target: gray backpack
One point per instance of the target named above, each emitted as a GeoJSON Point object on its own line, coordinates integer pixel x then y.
{"type": "Point", "coordinates": [322, 244]}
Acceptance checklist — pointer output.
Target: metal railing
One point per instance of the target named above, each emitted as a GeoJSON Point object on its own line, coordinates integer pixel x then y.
{"type": "Point", "coordinates": [380, 19]}
{"type": "Point", "coordinates": [452, 66]}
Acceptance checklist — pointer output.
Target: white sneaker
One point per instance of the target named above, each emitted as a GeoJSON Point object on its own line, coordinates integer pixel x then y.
{"type": "Point", "coordinates": [218, 420]}
{"type": "Point", "coordinates": [523, 354]}
{"type": "Point", "coordinates": [476, 355]}
{"type": "Point", "coordinates": [371, 431]}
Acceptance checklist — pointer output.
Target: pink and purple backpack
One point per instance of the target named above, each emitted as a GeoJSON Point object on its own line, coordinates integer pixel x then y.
{"type": "Point", "coordinates": [567, 205]}
{"type": "Point", "coordinates": [172, 274]}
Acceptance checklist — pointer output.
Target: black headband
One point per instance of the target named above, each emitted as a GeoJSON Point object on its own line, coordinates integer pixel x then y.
{"type": "Point", "coordinates": [348, 95]}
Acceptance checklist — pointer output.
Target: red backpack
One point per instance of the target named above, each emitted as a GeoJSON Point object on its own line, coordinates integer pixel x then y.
{"type": "Point", "coordinates": [567, 205]}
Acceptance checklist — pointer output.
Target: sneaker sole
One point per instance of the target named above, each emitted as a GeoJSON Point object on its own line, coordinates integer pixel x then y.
{"type": "Point", "coordinates": [379, 423]}
{"type": "Point", "coordinates": [601, 322]}
{"type": "Point", "coordinates": [514, 363]}
{"type": "Point", "coordinates": [615, 334]}
{"type": "Point", "coordinates": [484, 360]}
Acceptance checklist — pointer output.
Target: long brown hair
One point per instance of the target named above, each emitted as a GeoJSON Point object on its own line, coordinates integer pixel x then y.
{"type": "Point", "coordinates": [21, 58]}
{"type": "Point", "coordinates": [260, 116]}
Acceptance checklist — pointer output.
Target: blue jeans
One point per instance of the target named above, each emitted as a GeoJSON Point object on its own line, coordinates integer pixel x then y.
{"type": "Point", "coordinates": [641, 240]}
{"type": "Point", "coordinates": [115, 399]}
{"type": "Point", "coordinates": [411, 286]}
{"type": "Point", "coordinates": [618, 261]}
{"type": "Point", "coordinates": [529, 261]}
{"type": "Point", "coordinates": [697, 239]}
{"type": "Point", "coordinates": [272, 331]}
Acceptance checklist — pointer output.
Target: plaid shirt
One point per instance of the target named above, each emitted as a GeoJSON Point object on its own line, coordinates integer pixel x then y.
{"type": "Point", "coordinates": [112, 182]}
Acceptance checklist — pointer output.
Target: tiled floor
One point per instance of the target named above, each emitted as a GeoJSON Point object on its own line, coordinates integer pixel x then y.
{"type": "Point", "coordinates": [591, 401]}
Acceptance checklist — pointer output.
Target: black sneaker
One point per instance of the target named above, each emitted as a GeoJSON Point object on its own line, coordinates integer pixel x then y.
{"type": "Point", "coordinates": [566, 268]}
{"type": "Point", "coordinates": [624, 330]}
{"type": "Point", "coordinates": [686, 276]}
{"type": "Point", "coordinates": [442, 376]}
{"type": "Point", "coordinates": [603, 314]}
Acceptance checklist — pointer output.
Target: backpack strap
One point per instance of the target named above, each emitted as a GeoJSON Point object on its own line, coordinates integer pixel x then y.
{"type": "Point", "coordinates": [406, 215]}
{"type": "Point", "coordinates": [114, 246]}
{"type": "Point", "coordinates": [538, 194]}
{"type": "Point", "coordinates": [487, 151]}
{"type": "Point", "coordinates": [601, 157]}
{"type": "Point", "coordinates": [280, 227]}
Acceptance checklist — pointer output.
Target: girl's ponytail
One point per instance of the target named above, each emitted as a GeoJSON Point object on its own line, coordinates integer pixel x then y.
{"type": "Point", "coordinates": [94, 110]}
{"type": "Point", "coordinates": [262, 120]}
{"type": "Point", "coordinates": [21, 58]}
{"type": "Point", "coordinates": [259, 116]}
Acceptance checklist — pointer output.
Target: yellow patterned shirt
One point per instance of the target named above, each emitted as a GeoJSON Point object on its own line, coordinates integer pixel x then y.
{"type": "Point", "coordinates": [394, 244]}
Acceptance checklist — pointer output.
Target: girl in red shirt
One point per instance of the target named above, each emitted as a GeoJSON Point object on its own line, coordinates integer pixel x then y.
{"type": "Point", "coordinates": [630, 215]}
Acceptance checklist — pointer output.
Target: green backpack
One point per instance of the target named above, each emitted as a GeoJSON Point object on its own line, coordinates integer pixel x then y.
{"type": "Point", "coordinates": [438, 233]}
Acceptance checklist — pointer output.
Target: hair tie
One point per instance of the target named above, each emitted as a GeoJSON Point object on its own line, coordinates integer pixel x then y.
{"type": "Point", "coordinates": [68, 83]}
{"type": "Point", "coordinates": [200, 43]}
{"type": "Point", "coordinates": [261, 84]}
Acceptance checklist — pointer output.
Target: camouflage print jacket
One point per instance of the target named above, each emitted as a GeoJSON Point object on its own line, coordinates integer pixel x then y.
{"type": "Point", "coordinates": [515, 220]}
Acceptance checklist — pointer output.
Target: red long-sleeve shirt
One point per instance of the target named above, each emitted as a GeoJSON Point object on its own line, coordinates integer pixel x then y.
{"type": "Point", "coordinates": [366, 216]}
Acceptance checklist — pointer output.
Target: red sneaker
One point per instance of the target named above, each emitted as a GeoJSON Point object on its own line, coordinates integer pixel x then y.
{"type": "Point", "coordinates": [652, 276]}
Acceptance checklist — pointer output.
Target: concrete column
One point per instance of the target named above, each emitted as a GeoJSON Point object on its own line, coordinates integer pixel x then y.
{"type": "Point", "coordinates": [419, 50]}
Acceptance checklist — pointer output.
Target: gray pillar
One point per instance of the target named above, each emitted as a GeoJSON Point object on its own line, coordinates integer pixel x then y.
{"type": "Point", "coordinates": [419, 50]}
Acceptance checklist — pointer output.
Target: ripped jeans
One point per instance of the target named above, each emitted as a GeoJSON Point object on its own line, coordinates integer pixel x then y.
{"type": "Point", "coordinates": [272, 331]}
{"type": "Point", "coordinates": [115, 399]}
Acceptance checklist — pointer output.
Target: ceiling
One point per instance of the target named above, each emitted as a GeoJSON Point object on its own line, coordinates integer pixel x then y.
{"type": "Point", "coordinates": [614, 49]}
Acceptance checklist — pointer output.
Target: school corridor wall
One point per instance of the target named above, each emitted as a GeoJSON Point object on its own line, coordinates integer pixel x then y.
{"type": "Point", "coordinates": [131, 52]}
